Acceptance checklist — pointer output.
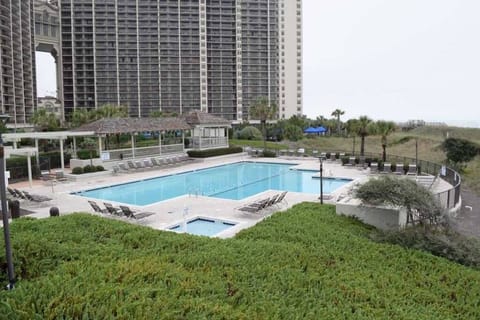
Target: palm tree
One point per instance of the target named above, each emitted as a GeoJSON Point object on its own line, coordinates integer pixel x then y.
{"type": "Point", "coordinates": [363, 130]}
{"type": "Point", "coordinates": [45, 120]}
{"type": "Point", "coordinates": [263, 110]}
{"type": "Point", "coordinates": [337, 113]}
{"type": "Point", "coordinates": [384, 128]}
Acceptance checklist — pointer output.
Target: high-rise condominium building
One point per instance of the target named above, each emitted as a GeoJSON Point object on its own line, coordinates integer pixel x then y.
{"type": "Point", "coordinates": [17, 60]}
{"type": "Point", "coordinates": [179, 55]}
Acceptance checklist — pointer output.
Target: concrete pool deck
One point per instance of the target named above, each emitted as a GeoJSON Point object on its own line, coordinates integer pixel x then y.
{"type": "Point", "coordinates": [169, 212]}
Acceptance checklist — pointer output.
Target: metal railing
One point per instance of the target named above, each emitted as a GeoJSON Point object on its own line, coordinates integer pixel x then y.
{"type": "Point", "coordinates": [449, 198]}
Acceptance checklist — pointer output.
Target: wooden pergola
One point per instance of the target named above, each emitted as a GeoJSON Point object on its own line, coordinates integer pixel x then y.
{"type": "Point", "coordinates": [104, 128]}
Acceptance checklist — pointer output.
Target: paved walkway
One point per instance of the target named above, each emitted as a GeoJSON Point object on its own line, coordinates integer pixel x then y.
{"type": "Point", "coordinates": [170, 212]}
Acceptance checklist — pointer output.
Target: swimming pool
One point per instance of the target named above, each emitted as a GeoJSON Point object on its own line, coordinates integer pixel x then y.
{"type": "Point", "coordinates": [232, 181]}
{"type": "Point", "coordinates": [202, 226]}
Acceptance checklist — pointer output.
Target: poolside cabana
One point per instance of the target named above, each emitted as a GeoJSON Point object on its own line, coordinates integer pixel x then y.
{"type": "Point", "coordinates": [170, 133]}
{"type": "Point", "coordinates": [208, 131]}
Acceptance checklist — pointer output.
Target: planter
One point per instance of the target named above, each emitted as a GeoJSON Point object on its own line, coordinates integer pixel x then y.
{"type": "Point", "coordinates": [82, 163]}
{"type": "Point", "coordinates": [87, 176]}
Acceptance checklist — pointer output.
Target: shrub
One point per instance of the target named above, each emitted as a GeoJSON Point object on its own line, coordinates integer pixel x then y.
{"type": "Point", "coordinates": [269, 154]}
{"type": "Point", "coordinates": [213, 152]}
{"type": "Point", "coordinates": [421, 205]}
{"type": "Point", "coordinates": [77, 170]}
{"type": "Point", "coordinates": [344, 160]}
{"type": "Point", "coordinates": [440, 241]}
{"type": "Point", "coordinates": [100, 168]}
{"type": "Point", "coordinates": [249, 133]}
{"type": "Point", "coordinates": [460, 150]}
{"type": "Point", "coordinates": [84, 154]}
{"type": "Point", "coordinates": [89, 168]}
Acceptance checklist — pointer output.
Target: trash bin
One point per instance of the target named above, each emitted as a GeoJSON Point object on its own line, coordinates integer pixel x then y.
{"type": "Point", "coordinates": [14, 208]}
{"type": "Point", "coordinates": [54, 212]}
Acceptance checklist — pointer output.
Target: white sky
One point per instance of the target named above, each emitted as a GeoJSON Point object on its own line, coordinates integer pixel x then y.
{"type": "Point", "coordinates": [393, 60]}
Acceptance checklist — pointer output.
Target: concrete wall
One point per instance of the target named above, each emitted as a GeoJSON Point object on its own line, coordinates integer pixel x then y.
{"type": "Point", "coordinates": [379, 217]}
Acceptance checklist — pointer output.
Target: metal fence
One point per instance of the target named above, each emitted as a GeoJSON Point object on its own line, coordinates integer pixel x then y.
{"type": "Point", "coordinates": [449, 199]}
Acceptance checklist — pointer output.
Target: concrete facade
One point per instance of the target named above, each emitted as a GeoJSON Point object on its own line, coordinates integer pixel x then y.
{"type": "Point", "coordinates": [17, 60]}
{"type": "Point", "coordinates": [178, 56]}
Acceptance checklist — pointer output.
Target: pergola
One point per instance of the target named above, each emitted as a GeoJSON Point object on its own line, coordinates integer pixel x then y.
{"type": "Point", "coordinates": [36, 136]}
{"type": "Point", "coordinates": [133, 126]}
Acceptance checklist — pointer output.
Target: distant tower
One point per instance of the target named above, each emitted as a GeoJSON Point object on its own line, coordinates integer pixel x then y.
{"type": "Point", "coordinates": [17, 60]}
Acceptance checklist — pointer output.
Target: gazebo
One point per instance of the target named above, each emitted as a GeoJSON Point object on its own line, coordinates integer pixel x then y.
{"type": "Point", "coordinates": [208, 131]}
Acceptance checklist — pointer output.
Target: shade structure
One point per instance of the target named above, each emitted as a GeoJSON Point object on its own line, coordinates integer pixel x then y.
{"type": "Point", "coordinates": [310, 130]}
{"type": "Point", "coordinates": [316, 130]}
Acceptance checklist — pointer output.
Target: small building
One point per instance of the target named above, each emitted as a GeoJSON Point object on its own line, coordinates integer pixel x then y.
{"type": "Point", "coordinates": [208, 131]}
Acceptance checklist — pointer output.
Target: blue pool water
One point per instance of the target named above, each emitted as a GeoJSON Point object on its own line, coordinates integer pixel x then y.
{"type": "Point", "coordinates": [203, 227]}
{"type": "Point", "coordinates": [233, 181]}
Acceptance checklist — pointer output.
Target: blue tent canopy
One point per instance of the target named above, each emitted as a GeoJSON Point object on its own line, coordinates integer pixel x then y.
{"type": "Point", "coordinates": [315, 130]}
{"type": "Point", "coordinates": [310, 130]}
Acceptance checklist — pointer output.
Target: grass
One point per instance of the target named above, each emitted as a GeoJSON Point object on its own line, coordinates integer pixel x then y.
{"type": "Point", "coordinates": [304, 263]}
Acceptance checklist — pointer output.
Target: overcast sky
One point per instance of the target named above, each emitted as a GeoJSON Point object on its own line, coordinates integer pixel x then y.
{"type": "Point", "coordinates": [393, 60]}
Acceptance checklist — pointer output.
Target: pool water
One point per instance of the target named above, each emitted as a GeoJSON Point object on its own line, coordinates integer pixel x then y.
{"type": "Point", "coordinates": [233, 181]}
{"type": "Point", "coordinates": [203, 227]}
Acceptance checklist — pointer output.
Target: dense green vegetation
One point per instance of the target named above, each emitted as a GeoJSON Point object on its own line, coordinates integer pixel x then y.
{"type": "Point", "coordinates": [304, 263]}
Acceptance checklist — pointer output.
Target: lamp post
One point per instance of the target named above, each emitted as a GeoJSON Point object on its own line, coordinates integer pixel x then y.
{"type": "Point", "coordinates": [6, 227]}
{"type": "Point", "coordinates": [321, 179]}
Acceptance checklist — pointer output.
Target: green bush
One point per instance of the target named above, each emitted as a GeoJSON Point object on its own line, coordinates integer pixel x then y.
{"type": "Point", "coordinates": [99, 168]}
{"type": "Point", "coordinates": [213, 152]}
{"type": "Point", "coordinates": [84, 154]}
{"type": "Point", "coordinates": [345, 160]}
{"type": "Point", "coordinates": [269, 154]}
{"type": "Point", "coordinates": [77, 170]}
{"type": "Point", "coordinates": [439, 241]}
{"type": "Point", "coordinates": [249, 133]}
{"type": "Point", "coordinates": [89, 168]}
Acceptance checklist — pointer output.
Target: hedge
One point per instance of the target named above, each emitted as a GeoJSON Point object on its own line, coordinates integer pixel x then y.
{"type": "Point", "coordinates": [213, 152]}
{"type": "Point", "coordinates": [84, 154]}
{"type": "Point", "coordinates": [303, 263]}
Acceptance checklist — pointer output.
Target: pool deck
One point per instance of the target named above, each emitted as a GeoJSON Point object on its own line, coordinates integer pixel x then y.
{"type": "Point", "coordinates": [169, 212]}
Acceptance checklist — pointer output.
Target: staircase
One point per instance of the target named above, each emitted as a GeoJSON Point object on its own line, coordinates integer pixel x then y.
{"type": "Point", "coordinates": [425, 181]}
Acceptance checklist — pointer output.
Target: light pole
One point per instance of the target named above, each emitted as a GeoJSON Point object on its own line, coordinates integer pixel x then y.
{"type": "Point", "coordinates": [321, 179]}
{"type": "Point", "coordinates": [6, 227]}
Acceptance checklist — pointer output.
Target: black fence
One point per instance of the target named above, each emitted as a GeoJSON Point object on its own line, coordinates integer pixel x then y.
{"type": "Point", "coordinates": [449, 198]}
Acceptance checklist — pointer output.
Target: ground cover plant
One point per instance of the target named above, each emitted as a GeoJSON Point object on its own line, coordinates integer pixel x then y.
{"type": "Point", "coordinates": [304, 263]}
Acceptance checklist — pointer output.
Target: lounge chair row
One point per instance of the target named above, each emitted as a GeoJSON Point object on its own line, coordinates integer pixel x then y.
{"type": "Point", "coordinates": [399, 168]}
{"type": "Point", "coordinates": [19, 194]}
{"type": "Point", "coordinates": [264, 203]}
{"type": "Point", "coordinates": [152, 163]}
{"type": "Point", "coordinates": [120, 211]}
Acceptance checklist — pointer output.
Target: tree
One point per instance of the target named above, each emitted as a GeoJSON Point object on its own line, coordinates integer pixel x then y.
{"type": "Point", "coordinates": [110, 111]}
{"type": "Point", "coordinates": [293, 132]}
{"type": "Point", "coordinates": [263, 110]}
{"type": "Point", "coordinates": [384, 128]}
{"type": "Point", "coordinates": [460, 150]}
{"type": "Point", "coordinates": [363, 128]}
{"type": "Point", "coordinates": [45, 120]}
{"type": "Point", "coordinates": [420, 203]}
{"type": "Point", "coordinates": [337, 113]}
